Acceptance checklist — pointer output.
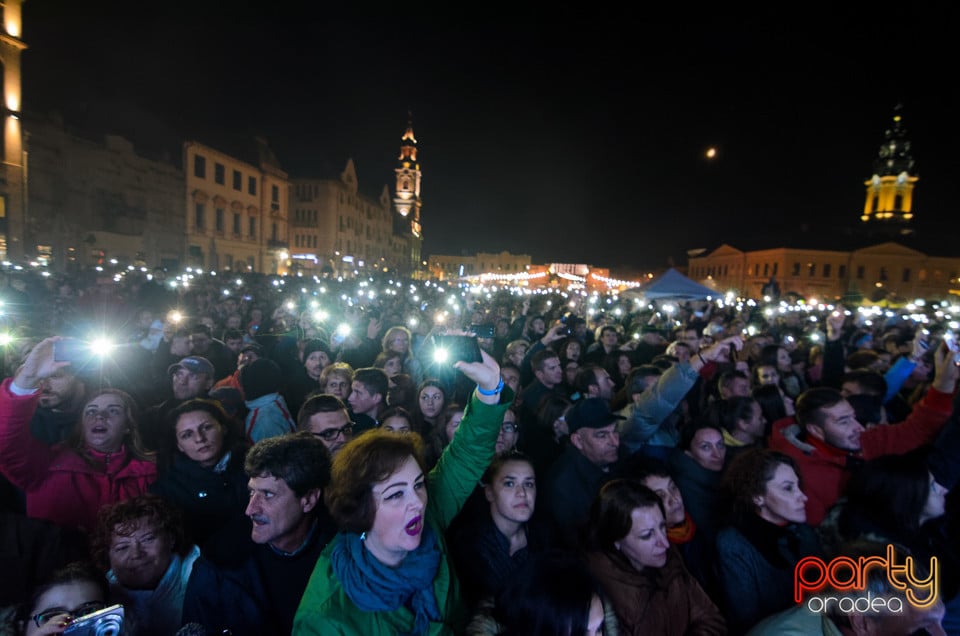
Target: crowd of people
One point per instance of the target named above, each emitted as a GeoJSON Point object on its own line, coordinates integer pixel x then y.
{"type": "Point", "coordinates": [248, 454]}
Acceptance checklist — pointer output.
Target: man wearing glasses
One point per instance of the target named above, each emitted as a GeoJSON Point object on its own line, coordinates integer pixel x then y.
{"type": "Point", "coordinates": [326, 417]}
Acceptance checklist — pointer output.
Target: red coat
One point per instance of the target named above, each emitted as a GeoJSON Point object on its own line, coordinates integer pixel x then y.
{"type": "Point", "coordinates": [59, 484]}
{"type": "Point", "coordinates": [825, 471]}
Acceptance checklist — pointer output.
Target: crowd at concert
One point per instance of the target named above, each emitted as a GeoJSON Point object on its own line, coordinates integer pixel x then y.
{"type": "Point", "coordinates": [245, 454]}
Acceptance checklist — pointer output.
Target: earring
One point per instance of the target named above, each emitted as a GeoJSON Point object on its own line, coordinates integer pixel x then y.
{"type": "Point", "coordinates": [363, 536]}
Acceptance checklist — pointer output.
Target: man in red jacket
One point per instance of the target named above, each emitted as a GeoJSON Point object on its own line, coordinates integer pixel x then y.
{"type": "Point", "coordinates": [828, 442]}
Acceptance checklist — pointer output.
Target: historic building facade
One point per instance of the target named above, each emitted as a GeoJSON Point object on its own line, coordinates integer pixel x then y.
{"type": "Point", "coordinates": [337, 228]}
{"type": "Point", "coordinates": [236, 211]}
{"type": "Point", "coordinates": [94, 200]}
{"type": "Point", "coordinates": [886, 270]}
{"type": "Point", "coordinates": [13, 167]}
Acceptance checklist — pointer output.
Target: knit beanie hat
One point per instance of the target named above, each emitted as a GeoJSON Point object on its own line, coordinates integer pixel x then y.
{"type": "Point", "coordinates": [260, 377]}
{"type": "Point", "coordinates": [315, 344]}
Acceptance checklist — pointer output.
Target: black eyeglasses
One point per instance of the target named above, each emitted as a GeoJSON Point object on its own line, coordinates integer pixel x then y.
{"type": "Point", "coordinates": [508, 427]}
{"type": "Point", "coordinates": [333, 433]}
{"type": "Point", "coordinates": [48, 615]}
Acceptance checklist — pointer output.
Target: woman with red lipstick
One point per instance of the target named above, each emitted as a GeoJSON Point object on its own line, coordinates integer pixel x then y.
{"type": "Point", "coordinates": [205, 478]}
{"type": "Point", "coordinates": [628, 552]}
{"type": "Point", "coordinates": [387, 571]}
{"type": "Point", "coordinates": [756, 555]}
{"type": "Point", "coordinates": [101, 462]}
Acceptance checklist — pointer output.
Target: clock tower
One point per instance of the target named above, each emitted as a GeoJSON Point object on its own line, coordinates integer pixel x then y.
{"type": "Point", "coordinates": [890, 190]}
{"type": "Point", "coordinates": [407, 200]}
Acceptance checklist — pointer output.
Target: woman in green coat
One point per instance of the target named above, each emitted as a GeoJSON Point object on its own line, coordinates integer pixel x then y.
{"type": "Point", "coordinates": [387, 571]}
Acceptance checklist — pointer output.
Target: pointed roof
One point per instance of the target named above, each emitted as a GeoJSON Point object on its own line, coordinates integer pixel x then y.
{"type": "Point", "coordinates": [894, 156]}
{"type": "Point", "coordinates": [671, 285]}
{"type": "Point", "coordinates": [408, 143]}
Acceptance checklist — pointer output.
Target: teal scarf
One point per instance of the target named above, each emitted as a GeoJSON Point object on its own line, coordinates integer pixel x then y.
{"type": "Point", "coordinates": [375, 587]}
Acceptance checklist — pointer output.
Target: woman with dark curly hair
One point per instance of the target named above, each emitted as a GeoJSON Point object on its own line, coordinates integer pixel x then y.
{"type": "Point", "coordinates": [387, 571]}
{"type": "Point", "coordinates": [101, 462]}
{"type": "Point", "coordinates": [756, 554]}
{"type": "Point", "coordinates": [142, 546]}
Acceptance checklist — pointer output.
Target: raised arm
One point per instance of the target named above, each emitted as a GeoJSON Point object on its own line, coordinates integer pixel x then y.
{"type": "Point", "coordinates": [24, 459]}
{"type": "Point", "coordinates": [462, 463]}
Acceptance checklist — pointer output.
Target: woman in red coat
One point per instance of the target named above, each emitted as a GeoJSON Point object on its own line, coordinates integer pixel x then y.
{"type": "Point", "coordinates": [101, 462]}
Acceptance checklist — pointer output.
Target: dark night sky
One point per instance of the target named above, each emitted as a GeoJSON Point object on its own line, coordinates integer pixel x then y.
{"type": "Point", "coordinates": [572, 138]}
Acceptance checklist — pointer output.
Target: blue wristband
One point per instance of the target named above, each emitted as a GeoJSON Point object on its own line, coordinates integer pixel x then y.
{"type": "Point", "coordinates": [494, 392]}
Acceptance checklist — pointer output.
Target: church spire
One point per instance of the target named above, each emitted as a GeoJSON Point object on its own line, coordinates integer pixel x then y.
{"type": "Point", "coordinates": [407, 200]}
{"type": "Point", "coordinates": [894, 157]}
{"type": "Point", "coordinates": [408, 143]}
{"type": "Point", "coordinates": [890, 189]}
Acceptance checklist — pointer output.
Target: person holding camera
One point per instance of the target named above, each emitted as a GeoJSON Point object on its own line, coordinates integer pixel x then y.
{"type": "Point", "coordinates": [71, 593]}
{"type": "Point", "coordinates": [102, 461]}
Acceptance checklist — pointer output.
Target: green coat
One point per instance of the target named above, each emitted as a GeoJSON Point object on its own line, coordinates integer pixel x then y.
{"type": "Point", "coordinates": [325, 608]}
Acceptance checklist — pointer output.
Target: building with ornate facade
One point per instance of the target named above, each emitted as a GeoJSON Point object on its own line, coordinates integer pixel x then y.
{"type": "Point", "coordinates": [334, 226]}
{"type": "Point", "coordinates": [889, 198]}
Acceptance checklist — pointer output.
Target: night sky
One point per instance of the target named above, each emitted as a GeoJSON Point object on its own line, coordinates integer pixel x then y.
{"type": "Point", "coordinates": [573, 138]}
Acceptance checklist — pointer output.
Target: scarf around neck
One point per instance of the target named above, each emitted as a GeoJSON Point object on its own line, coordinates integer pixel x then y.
{"type": "Point", "coordinates": [376, 587]}
{"type": "Point", "coordinates": [683, 532]}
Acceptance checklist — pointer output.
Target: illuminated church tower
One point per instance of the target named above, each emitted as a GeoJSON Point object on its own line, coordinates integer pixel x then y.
{"type": "Point", "coordinates": [890, 189]}
{"type": "Point", "coordinates": [407, 200]}
{"type": "Point", "coordinates": [12, 195]}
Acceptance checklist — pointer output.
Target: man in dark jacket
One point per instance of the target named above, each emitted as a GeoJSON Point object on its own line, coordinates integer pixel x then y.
{"type": "Point", "coordinates": [586, 464]}
{"type": "Point", "coordinates": [291, 526]}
